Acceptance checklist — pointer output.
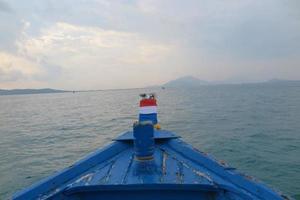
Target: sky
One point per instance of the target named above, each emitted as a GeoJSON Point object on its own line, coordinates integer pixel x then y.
{"type": "Point", "coordinates": [96, 44]}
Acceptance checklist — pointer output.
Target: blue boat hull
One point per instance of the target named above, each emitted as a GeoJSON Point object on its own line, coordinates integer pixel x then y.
{"type": "Point", "coordinates": [178, 171]}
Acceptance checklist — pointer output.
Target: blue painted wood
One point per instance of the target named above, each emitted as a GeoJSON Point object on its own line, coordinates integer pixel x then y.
{"type": "Point", "coordinates": [246, 182]}
{"type": "Point", "coordinates": [203, 174]}
{"type": "Point", "coordinates": [143, 133]}
{"type": "Point", "coordinates": [53, 182]}
{"type": "Point", "coordinates": [119, 169]}
{"type": "Point", "coordinates": [158, 135]}
{"type": "Point", "coordinates": [177, 171]}
{"type": "Point", "coordinates": [145, 192]}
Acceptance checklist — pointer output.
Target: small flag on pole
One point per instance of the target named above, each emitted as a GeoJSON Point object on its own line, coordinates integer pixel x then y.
{"type": "Point", "coordinates": [148, 108]}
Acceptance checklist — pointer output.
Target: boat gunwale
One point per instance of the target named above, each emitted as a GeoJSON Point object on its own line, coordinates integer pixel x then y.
{"type": "Point", "coordinates": [61, 177]}
{"type": "Point", "coordinates": [245, 182]}
{"type": "Point", "coordinates": [248, 186]}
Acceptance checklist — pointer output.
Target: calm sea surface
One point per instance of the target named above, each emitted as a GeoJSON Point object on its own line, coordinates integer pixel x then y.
{"type": "Point", "coordinates": [254, 128]}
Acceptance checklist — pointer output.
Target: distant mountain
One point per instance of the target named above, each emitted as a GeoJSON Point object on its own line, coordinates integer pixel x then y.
{"type": "Point", "coordinates": [190, 81]}
{"type": "Point", "coordinates": [30, 91]}
{"type": "Point", "coordinates": [281, 81]}
{"type": "Point", "coordinates": [187, 81]}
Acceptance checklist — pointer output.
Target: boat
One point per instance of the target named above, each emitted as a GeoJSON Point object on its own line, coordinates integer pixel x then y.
{"type": "Point", "coordinates": [146, 163]}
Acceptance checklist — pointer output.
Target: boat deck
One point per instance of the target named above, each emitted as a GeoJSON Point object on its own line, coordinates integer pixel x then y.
{"type": "Point", "coordinates": [124, 169]}
{"type": "Point", "coordinates": [177, 171]}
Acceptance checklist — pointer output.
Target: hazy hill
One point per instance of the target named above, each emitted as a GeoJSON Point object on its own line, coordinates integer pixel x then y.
{"type": "Point", "coordinates": [30, 91]}
{"type": "Point", "coordinates": [187, 81]}
{"type": "Point", "coordinates": [190, 81]}
{"type": "Point", "coordinates": [284, 82]}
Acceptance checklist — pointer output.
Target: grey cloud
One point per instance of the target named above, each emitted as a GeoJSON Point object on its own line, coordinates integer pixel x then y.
{"type": "Point", "coordinates": [10, 27]}
{"type": "Point", "coordinates": [51, 72]}
{"type": "Point", "coordinates": [10, 30]}
{"type": "Point", "coordinates": [251, 32]}
{"type": "Point", "coordinates": [207, 36]}
{"type": "Point", "coordinates": [4, 7]}
{"type": "Point", "coordinates": [11, 76]}
{"type": "Point", "coordinates": [255, 38]}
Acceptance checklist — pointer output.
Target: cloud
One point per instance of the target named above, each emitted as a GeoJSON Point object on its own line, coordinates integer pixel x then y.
{"type": "Point", "coordinates": [4, 7]}
{"type": "Point", "coordinates": [112, 44]}
{"type": "Point", "coordinates": [10, 30]}
{"type": "Point", "coordinates": [250, 30]}
{"type": "Point", "coordinates": [13, 68]}
{"type": "Point", "coordinates": [76, 56]}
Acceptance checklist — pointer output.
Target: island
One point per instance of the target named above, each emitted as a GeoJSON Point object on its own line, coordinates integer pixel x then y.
{"type": "Point", "coordinates": [30, 91]}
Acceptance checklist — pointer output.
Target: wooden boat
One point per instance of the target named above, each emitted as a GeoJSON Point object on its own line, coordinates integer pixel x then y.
{"type": "Point", "coordinates": [147, 163]}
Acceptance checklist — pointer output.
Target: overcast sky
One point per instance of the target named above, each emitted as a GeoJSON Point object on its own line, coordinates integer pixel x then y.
{"type": "Point", "coordinates": [77, 44]}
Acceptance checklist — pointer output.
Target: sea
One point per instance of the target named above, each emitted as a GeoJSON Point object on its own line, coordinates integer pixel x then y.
{"type": "Point", "coordinates": [255, 128]}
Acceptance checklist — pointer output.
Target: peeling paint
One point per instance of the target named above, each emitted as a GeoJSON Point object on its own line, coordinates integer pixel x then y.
{"type": "Point", "coordinates": [172, 165]}
{"type": "Point", "coordinates": [128, 168]}
{"type": "Point", "coordinates": [165, 155]}
{"type": "Point", "coordinates": [109, 172]}
{"type": "Point", "coordinates": [180, 174]}
{"type": "Point", "coordinates": [203, 175]}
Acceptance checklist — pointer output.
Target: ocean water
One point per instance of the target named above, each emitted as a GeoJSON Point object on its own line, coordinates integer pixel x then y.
{"type": "Point", "coordinates": [255, 128]}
